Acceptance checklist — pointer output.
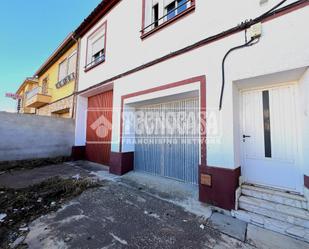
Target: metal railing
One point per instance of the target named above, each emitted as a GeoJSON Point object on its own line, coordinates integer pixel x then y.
{"type": "Point", "coordinates": [38, 90]}
{"type": "Point", "coordinates": [95, 61]}
{"type": "Point", "coordinates": [152, 25]}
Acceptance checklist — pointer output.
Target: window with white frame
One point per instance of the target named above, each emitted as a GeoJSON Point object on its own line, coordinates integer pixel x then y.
{"type": "Point", "coordinates": [67, 66]}
{"type": "Point", "coordinates": [72, 63]}
{"type": "Point", "coordinates": [63, 69]}
{"type": "Point", "coordinates": [159, 11]}
{"type": "Point", "coordinates": [96, 47]}
{"type": "Point", "coordinates": [67, 69]}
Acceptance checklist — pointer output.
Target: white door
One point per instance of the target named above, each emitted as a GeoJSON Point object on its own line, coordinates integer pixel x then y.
{"type": "Point", "coordinates": [269, 138]}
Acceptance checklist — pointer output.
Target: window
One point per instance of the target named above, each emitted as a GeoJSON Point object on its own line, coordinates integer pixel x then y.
{"type": "Point", "coordinates": [175, 7]}
{"type": "Point", "coordinates": [159, 13]}
{"type": "Point", "coordinates": [67, 69]}
{"type": "Point", "coordinates": [182, 5]}
{"type": "Point", "coordinates": [63, 68]}
{"type": "Point", "coordinates": [96, 47]}
{"type": "Point", "coordinates": [72, 63]}
{"type": "Point", "coordinates": [171, 10]}
{"type": "Point", "coordinates": [155, 14]}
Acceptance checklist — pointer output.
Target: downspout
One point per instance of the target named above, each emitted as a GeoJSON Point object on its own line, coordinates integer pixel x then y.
{"type": "Point", "coordinates": [73, 116]}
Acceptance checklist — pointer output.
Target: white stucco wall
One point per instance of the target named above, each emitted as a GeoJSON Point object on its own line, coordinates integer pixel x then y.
{"type": "Point", "coordinates": [304, 118]}
{"type": "Point", "coordinates": [283, 46]}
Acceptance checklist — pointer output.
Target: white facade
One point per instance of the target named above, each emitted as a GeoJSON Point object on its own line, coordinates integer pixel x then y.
{"type": "Point", "coordinates": [281, 56]}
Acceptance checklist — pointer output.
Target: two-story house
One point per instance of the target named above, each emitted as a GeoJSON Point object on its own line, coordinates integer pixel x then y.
{"type": "Point", "coordinates": [232, 75]}
{"type": "Point", "coordinates": [50, 92]}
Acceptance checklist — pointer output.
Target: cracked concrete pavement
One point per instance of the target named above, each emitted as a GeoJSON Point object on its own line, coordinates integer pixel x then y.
{"type": "Point", "coordinates": [133, 211]}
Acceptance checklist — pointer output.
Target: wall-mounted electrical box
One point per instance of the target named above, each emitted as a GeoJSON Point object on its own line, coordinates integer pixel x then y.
{"type": "Point", "coordinates": [255, 31]}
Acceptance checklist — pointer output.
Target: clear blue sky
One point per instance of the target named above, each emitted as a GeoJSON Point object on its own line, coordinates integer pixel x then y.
{"type": "Point", "coordinates": [30, 31]}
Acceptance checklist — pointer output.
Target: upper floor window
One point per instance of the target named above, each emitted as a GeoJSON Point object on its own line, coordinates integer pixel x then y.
{"type": "Point", "coordinates": [62, 70]}
{"type": "Point", "coordinates": [175, 7]}
{"type": "Point", "coordinates": [158, 13]}
{"type": "Point", "coordinates": [96, 47]}
{"type": "Point", "coordinates": [67, 69]}
{"type": "Point", "coordinates": [72, 63]}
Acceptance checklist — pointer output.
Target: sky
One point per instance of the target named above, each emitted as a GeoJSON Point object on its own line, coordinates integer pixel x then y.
{"type": "Point", "coordinates": [30, 31]}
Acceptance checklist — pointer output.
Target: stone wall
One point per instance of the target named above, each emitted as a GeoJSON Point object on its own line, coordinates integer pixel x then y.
{"type": "Point", "coordinates": [55, 108]}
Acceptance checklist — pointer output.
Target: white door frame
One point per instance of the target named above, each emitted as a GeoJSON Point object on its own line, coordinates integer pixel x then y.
{"type": "Point", "coordinates": [297, 132]}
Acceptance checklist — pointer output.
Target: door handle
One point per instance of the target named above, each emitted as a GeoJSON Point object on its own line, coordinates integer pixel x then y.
{"type": "Point", "coordinates": [245, 136]}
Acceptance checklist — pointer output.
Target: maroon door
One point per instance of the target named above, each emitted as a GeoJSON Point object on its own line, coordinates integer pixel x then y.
{"type": "Point", "coordinates": [99, 127]}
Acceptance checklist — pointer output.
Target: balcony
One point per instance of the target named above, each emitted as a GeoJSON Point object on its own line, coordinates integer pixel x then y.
{"type": "Point", "coordinates": [38, 97]}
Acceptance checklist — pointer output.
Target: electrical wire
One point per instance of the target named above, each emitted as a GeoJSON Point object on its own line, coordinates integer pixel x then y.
{"type": "Point", "coordinates": [269, 11]}
{"type": "Point", "coordinates": [223, 68]}
{"type": "Point", "coordinates": [246, 24]}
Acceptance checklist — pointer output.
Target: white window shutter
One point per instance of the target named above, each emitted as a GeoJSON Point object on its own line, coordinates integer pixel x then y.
{"type": "Point", "coordinates": [98, 45]}
{"type": "Point", "coordinates": [72, 63]}
{"type": "Point", "coordinates": [62, 70]}
{"type": "Point", "coordinates": [148, 11]}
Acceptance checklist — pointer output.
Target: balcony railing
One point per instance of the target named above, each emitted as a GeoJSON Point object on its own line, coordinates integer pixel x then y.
{"type": "Point", "coordinates": [166, 18]}
{"type": "Point", "coordinates": [38, 90]}
{"type": "Point", "coordinates": [38, 97]}
{"type": "Point", "coordinates": [95, 62]}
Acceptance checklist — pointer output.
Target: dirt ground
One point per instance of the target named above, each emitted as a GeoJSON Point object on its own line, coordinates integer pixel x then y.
{"type": "Point", "coordinates": [72, 212]}
{"type": "Point", "coordinates": [21, 206]}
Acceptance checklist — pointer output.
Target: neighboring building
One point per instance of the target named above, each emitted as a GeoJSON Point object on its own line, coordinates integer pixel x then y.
{"type": "Point", "coordinates": [27, 86]}
{"type": "Point", "coordinates": [168, 55]}
{"type": "Point", "coordinates": [51, 91]}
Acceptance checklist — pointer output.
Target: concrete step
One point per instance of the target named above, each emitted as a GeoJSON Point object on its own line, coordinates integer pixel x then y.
{"type": "Point", "coordinates": [285, 228]}
{"type": "Point", "coordinates": [277, 196]}
{"type": "Point", "coordinates": [293, 215]}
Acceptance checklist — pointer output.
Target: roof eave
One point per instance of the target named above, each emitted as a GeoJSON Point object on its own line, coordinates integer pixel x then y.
{"type": "Point", "coordinates": [29, 80]}
{"type": "Point", "coordinates": [62, 48]}
{"type": "Point", "coordinates": [100, 11]}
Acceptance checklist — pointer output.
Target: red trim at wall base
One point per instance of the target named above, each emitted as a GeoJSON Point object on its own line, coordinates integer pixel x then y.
{"type": "Point", "coordinates": [306, 181]}
{"type": "Point", "coordinates": [221, 192]}
{"type": "Point", "coordinates": [78, 153]}
{"type": "Point", "coordinates": [121, 162]}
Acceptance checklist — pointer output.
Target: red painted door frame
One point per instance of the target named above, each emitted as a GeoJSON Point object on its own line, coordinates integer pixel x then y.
{"type": "Point", "coordinates": [99, 127]}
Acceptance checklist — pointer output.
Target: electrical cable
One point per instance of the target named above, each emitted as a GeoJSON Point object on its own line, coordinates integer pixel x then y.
{"type": "Point", "coordinates": [269, 11]}
{"type": "Point", "coordinates": [223, 68]}
{"type": "Point", "coordinates": [246, 24]}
